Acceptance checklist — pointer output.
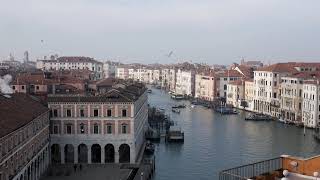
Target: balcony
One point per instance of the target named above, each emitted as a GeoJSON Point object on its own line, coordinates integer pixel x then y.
{"type": "Point", "coordinates": [292, 168]}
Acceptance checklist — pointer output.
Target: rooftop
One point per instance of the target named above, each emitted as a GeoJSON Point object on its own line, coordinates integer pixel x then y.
{"type": "Point", "coordinates": [289, 67]}
{"type": "Point", "coordinates": [17, 111]}
{"type": "Point", "coordinates": [118, 93]}
{"type": "Point", "coordinates": [73, 59]}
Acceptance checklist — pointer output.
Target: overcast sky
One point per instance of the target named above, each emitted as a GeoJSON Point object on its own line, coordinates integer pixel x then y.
{"type": "Point", "coordinates": [211, 31]}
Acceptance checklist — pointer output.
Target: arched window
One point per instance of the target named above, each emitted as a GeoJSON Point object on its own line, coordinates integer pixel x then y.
{"type": "Point", "coordinates": [124, 128]}
{"type": "Point", "coordinates": [95, 128]}
{"type": "Point", "coordinates": [225, 87]}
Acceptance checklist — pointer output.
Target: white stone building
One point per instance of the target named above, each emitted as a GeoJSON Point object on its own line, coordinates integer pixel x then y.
{"type": "Point", "coordinates": [291, 89]}
{"type": "Point", "coordinates": [225, 78]}
{"type": "Point", "coordinates": [235, 93]}
{"type": "Point", "coordinates": [72, 63]}
{"type": "Point", "coordinates": [249, 94]}
{"type": "Point", "coordinates": [311, 103]}
{"type": "Point", "coordinates": [107, 128]}
{"type": "Point", "coordinates": [267, 84]}
{"type": "Point", "coordinates": [185, 82]}
{"type": "Point", "coordinates": [122, 72]}
{"type": "Point", "coordinates": [172, 80]}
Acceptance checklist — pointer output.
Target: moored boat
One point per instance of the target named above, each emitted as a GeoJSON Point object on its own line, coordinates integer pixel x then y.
{"type": "Point", "coordinates": [149, 149]}
{"type": "Point", "coordinates": [179, 106]}
{"type": "Point", "coordinates": [175, 110]}
{"type": "Point", "coordinates": [259, 117]}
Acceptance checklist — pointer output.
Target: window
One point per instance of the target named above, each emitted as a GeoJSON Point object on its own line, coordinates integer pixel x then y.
{"type": "Point", "coordinates": [13, 87]}
{"type": "Point", "coordinates": [22, 87]}
{"type": "Point", "coordinates": [124, 128]}
{"type": "Point", "coordinates": [82, 128]}
{"type": "Point", "coordinates": [55, 129]}
{"type": "Point", "coordinates": [109, 113]}
{"type": "Point", "coordinates": [96, 113]}
{"type": "Point", "coordinates": [37, 87]}
{"type": "Point", "coordinates": [274, 95]}
{"type": "Point", "coordinates": [109, 129]}
{"type": "Point", "coordinates": [69, 128]}
{"type": "Point", "coordinates": [95, 128]}
{"type": "Point", "coordinates": [81, 113]}
{"type": "Point", "coordinates": [68, 112]}
{"type": "Point", "coordinates": [124, 113]}
{"type": "Point", "coordinates": [225, 87]}
{"type": "Point", "coordinates": [55, 113]}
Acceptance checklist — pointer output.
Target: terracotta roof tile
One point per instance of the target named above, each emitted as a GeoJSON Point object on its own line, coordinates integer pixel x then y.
{"type": "Point", "coordinates": [18, 111]}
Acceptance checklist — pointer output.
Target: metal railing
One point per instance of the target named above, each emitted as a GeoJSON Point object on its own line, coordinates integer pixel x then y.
{"type": "Point", "coordinates": [251, 170]}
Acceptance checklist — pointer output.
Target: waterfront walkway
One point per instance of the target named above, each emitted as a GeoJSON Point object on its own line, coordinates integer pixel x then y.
{"type": "Point", "coordinates": [94, 172]}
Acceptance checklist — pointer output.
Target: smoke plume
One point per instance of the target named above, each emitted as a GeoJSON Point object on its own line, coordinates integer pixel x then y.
{"type": "Point", "coordinates": [4, 84]}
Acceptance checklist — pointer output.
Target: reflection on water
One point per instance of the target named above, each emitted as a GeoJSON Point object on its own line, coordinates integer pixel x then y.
{"type": "Point", "coordinates": [214, 142]}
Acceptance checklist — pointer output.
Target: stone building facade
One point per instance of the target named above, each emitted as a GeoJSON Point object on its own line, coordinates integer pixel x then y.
{"type": "Point", "coordinates": [24, 138]}
{"type": "Point", "coordinates": [107, 128]}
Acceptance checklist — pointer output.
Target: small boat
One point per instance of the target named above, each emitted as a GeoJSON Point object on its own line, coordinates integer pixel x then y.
{"type": "Point", "coordinates": [177, 96]}
{"type": "Point", "coordinates": [149, 91]}
{"type": "Point", "coordinates": [258, 117]}
{"type": "Point", "coordinates": [282, 121]}
{"type": "Point", "coordinates": [149, 149]}
{"type": "Point", "coordinates": [226, 110]}
{"type": "Point", "coordinates": [158, 87]}
{"type": "Point", "coordinates": [194, 102]}
{"type": "Point", "coordinates": [175, 110]}
{"type": "Point", "coordinates": [192, 106]}
{"type": "Point", "coordinates": [179, 106]}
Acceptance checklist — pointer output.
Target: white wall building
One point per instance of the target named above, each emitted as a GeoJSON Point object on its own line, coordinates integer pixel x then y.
{"type": "Point", "coordinates": [122, 72]}
{"type": "Point", "coordinates": [291, 89]}
{"type": "Point", "coordinates": [109, 69]}
{"type": "Point", "coordinates": [311, 105]}
{"type": "Point", "coordinates": [185, 82]}
{"type": "Point", "coordinates": [72, 63]}
{"type": "Point", "coordinates": [225, 78]}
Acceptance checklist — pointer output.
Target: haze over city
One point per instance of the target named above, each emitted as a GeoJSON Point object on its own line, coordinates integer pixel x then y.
{"type": "Point", "coordinates": [211, 31]}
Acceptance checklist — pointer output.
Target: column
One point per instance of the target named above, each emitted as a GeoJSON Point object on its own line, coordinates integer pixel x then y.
{"type": "Point", "coordinates": [62, 153]}
{"type": "Point", "coordinates": [75, 149]}
{"type": "Point", "coordinates": [102, 155]}
{"type": "Point", "coordinates": [89, 154]}
{"type": "Point", "coordinates": [116, 111]}
{"type": "Point", "coordinates": [116, 154]}
{"type": "Point", "coordinates": [102, 127]}
{"type": "Point", "coordinates": [116, 128]}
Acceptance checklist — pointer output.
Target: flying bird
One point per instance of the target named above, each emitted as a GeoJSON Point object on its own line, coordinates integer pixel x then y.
{"type": "Point", "coordinates": [170, 54]}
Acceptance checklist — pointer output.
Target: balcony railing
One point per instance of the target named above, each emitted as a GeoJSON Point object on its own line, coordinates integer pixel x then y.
{"type": "Point", "coordinates": [251, 171]}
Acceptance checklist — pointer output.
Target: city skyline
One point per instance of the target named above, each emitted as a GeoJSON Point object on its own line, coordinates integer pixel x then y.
{"type": "Point", "coordinates": [147, 31]}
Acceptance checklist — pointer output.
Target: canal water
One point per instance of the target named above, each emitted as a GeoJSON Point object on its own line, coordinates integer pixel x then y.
{"type": "Point", "coordinates": [214, 142]}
